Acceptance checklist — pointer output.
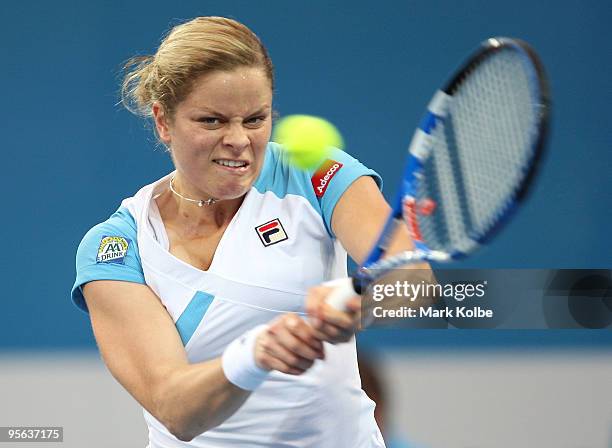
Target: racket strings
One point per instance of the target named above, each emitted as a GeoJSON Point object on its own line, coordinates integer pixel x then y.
{"type": "Point", "coordinates": [448, 227]}
{"type": "Point", "coordinates": [480, 153]}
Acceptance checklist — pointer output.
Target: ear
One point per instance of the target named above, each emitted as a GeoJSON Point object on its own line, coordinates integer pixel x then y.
{"type": "Point", "coordinates": [161, 123]}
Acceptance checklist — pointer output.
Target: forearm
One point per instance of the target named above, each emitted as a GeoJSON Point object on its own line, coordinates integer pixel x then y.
{"type": "Point", "coordinates": [196, 398]}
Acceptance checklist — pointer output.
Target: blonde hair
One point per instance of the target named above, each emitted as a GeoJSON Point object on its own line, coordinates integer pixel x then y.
{"type": "Point", "coordinates": [189, 50]}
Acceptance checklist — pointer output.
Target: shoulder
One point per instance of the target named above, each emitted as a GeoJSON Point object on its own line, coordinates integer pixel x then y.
{"type": "Point", "coordinates": [278, 176]}
{"type": "Point", "coordinates": [119, 230]}
{"type": "Point", "coordinates": [322, 186]}
{"type": "Point", "coordinates": [121, 221]}
{"type": "Point", "coordinates": [108, 251]}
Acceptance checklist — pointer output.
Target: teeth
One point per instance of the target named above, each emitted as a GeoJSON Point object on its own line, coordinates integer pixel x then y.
{"type": "Point", "coordinates": [231, 163]}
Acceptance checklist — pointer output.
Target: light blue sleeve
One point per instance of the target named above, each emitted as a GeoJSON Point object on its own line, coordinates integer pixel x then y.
{"type": "Point", "coordinates": [334, 177]}
{"type": "Point", "coordinates": [322, 187]}
{"type": "Point", "coordinates": [109, 251]}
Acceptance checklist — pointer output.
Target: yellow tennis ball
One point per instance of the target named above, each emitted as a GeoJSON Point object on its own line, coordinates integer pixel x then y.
{"type": "Point", "coordinates": [307, 139]}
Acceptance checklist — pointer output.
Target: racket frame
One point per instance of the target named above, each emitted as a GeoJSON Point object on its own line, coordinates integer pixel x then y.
{"type": "Point", "coordinates": [404, 204]}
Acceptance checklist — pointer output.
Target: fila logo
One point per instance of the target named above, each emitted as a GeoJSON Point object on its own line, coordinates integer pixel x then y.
{"type": "Point", "coordinates": [271, 232]}
{"type": "Point", "coordinates": [323, 176]}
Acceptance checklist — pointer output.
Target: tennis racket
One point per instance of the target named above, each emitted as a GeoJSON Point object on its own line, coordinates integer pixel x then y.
{"type": "Point", "coordinates": [470, 163]}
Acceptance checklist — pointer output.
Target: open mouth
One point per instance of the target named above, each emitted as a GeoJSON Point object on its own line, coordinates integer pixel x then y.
{"type": "Point", "coordinates": [235, 164]}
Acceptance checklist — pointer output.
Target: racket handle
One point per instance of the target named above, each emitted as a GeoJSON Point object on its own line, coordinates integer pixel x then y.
{"type": "Point", "coordinates": [343, 290]}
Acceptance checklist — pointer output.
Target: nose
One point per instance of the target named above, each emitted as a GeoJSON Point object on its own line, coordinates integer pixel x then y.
{"type": "Point", "coordinates": [236, 137]}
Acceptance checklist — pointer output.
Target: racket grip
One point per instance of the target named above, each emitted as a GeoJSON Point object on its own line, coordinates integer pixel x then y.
{"type": "Point", "coordinates": [343, 290]}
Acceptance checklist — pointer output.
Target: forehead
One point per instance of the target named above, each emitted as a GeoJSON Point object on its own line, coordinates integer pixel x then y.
{"type": "Point", "coordinates": [237, 92]}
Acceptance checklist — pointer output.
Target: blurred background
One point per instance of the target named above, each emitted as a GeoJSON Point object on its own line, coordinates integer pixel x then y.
{"type": "Point", "coordinates": [370, 67]}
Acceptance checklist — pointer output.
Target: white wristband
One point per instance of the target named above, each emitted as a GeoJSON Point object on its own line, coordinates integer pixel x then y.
{"type": "Point", "coordinates": [239, 364]}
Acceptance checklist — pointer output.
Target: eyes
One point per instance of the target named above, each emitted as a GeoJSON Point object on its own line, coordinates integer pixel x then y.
{"type": "Point", "coordinates": [213, 123]}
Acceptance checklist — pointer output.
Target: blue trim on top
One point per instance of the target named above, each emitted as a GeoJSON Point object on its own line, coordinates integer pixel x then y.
{"type": "Point", "coordinates": [125, 214]}
{"type": "Point", "coordinates": [278, 176]}
{"type": "Point", "coordinates": [121, 223]}
{"type": "Point", "coordinates": [351, 170]}
{"type": "Point", "coordinates": [193, 315]}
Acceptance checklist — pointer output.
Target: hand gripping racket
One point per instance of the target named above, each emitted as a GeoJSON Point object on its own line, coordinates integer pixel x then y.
{"type": "Point", "coordinates": [470, 163]}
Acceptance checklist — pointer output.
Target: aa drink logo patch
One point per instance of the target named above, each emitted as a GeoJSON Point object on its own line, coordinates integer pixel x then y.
{"type": "Point", "coordinates": [323, 176]}
{"type": "Point", "coordinates": [271, 232]}
{"type": "Point", "coordinates": [113, 249]}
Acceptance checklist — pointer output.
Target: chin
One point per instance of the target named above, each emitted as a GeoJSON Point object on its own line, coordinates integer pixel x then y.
{"type": "Point", "coordinates": [232, 192]}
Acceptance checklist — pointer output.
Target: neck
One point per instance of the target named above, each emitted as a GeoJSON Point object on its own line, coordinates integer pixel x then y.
{"type": "Point", "coordinates": [198, 209]}
{"type": "Point", "coordinates": [198, 202]}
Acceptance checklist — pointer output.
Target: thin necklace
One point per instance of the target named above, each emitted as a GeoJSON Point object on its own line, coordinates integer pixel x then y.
{"type": "Point", "coordinates": [200, 202]}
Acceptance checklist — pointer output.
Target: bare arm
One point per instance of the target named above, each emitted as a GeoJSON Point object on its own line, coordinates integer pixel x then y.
{"type": "Point", "coordinates": [358, 219]}
{"type": "Point", "coordinates": [143, 350]}
{"type": "Point", "coordinates": [363, 203]}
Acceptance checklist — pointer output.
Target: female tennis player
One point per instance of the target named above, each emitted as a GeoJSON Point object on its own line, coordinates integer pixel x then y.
{"type": "Point", "coordinates": [198, 284]}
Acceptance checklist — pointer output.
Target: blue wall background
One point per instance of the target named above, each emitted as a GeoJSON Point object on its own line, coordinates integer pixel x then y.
{"type": "Point", "coordinates": [72, 153]}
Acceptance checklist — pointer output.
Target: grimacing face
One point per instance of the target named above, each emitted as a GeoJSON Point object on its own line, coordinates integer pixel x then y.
{"type": "Point", "coordinates": [219, 132]}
